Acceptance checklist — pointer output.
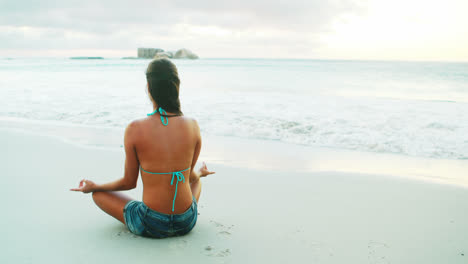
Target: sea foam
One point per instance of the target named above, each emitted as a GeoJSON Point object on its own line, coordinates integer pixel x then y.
{"type": "Point", "coordinates": [410, 108]}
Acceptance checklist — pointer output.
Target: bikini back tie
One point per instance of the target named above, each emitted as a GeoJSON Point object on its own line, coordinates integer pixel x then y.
{"type": "Point", "coordinates": [180, 178]}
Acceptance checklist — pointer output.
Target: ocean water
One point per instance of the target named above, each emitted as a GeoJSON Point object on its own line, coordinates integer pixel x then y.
{"type": "Point", "coordinates": [417, 109]}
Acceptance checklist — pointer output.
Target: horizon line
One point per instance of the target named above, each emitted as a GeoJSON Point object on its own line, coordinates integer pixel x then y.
{"type": "Point", "coordinates": [235, 58]}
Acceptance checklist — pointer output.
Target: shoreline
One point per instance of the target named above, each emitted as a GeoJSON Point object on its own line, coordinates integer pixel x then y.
{"type": "Point", "coordinates": [225, 150]}
{"type": "Point", "coordinates": [246, 215]}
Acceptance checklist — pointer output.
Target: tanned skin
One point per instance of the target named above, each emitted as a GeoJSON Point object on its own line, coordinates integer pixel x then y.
{"type": "Point", "coordinates": [156, 148]}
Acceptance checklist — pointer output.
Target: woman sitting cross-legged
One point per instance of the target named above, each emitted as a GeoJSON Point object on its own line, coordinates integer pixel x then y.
{"type": "Point", "coordinates": [164, 148]}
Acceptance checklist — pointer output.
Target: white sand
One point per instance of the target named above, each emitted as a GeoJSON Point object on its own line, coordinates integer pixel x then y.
{"type": "Point", "coordinates": [246, 215]}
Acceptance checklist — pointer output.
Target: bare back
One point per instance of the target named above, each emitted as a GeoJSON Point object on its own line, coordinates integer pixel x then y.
{"type": "Point", "coordinates": [165, 149]}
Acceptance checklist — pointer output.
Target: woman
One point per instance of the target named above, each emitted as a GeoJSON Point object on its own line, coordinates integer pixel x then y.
{"type": "Point", "coordinates": [164, 147]}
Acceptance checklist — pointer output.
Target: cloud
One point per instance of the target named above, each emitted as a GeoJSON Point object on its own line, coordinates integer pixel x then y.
{"type": "Point", "coordinates": [121, 24]}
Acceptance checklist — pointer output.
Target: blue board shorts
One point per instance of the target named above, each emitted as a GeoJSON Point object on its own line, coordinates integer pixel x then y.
{"type": "Point", "coordinates": [143, 221]}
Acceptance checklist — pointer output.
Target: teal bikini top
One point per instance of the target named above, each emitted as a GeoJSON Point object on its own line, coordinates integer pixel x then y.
{"type": "Point", "coordinates": [178, 174]}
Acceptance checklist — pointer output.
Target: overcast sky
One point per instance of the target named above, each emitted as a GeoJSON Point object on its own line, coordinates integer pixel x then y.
{"type": "Point", "coordinates": [334, 29]}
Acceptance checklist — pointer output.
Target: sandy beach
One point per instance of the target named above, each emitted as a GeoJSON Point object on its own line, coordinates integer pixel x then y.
{"type": "Point", "coordinates": [337, 130]}
{"type": "Point", "coordinates": [246, 215]}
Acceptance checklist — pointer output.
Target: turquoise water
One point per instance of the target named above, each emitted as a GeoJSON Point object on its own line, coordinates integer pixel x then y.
{"type": "Point", "coordinates": [410, 108]}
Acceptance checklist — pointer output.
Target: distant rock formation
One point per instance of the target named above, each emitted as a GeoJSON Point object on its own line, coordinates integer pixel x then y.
{"type": "Point", "coordinates": [151, 53]}
{"type": "Point", "coordinates": [164, 54]}
{"type": "Point", "coordinates": [148, 52]}
{"type": "Point", "coordinates": [185, 54]}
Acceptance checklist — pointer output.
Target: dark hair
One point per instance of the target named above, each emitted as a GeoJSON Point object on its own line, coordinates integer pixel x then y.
{"type": "Point", "coordinates": [163, 85]}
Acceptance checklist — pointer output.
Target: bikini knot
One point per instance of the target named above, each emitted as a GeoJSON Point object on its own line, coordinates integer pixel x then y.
{"type": "Point", "coordinates": [164, 122]}
{"type": "Point", "coordinates": [180, 178]}
{"type": "Point", "coordinates": [163, 115]}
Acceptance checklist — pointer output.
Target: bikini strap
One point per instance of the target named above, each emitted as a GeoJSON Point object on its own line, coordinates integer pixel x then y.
{"type": "Point", "coordinates": [180, 178]}
{"type": "Point", "coordinates": [161, 111]}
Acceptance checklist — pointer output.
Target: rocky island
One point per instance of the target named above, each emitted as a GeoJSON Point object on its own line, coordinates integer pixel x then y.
{"type": "Point", "coordinates": [153, 53]}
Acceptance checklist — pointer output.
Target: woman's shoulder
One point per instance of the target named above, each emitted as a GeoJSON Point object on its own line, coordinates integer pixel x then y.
{"type": "Point", "coordinates": [192, 123]}
{"type": "Point", "coordinates": [189, 119]}
{"type": "Point", "coordinates": [136, 123]}
{"type": "Point", "coordinates": [142, 123]}
{"type": "Point", "coordinates": [133, 127]}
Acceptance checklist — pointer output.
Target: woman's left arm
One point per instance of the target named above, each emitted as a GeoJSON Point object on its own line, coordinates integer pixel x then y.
{"type": "Point", "coordinates": [129, 180]}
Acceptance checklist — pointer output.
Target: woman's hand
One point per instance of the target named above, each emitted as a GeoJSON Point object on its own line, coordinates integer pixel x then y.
{"type": "Point", "coordinates": [201, 172]}
{"type": "Point", "coordinates": [204, 170]}
{"type": "Point", "coordinates": [85, 186]}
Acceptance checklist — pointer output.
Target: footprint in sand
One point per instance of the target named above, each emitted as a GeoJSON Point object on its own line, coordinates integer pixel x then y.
{"type": "Point", "coordinates": [224, 253]}
{"type": "Point", "coordinates": [124, 233]}
{"type": "Point", "coordinates": [212, 252]}
{"type": "Point", "coordinates": [378, 252]}
{"type": "Point", "coordinates": [217, 224]}
{"type": "Point", "coordinates": [222, 229]}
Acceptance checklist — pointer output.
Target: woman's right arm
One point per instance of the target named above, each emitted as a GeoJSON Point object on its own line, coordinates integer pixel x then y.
{"type": "Point", "coordinates": [194, 176]}
{"type": "Point", "coordinates": [203, 171]}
